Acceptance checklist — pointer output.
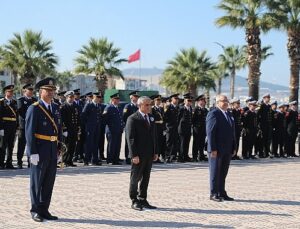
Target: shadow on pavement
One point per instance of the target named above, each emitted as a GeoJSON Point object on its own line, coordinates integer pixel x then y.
{"type": "Point", "coordinates": [140, 224]}
{"type": "Point", "coordinates": [221, 212]}
{"type": "Point", "coordinates": [278, 202]}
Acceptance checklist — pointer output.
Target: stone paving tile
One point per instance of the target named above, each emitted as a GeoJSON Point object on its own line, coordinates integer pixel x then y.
{"type": "Point", "coordinates": [267, 194]}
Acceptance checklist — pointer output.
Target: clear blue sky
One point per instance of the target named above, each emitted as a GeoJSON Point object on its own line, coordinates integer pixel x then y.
{"type": "Point", "coordinates": [159, 27]}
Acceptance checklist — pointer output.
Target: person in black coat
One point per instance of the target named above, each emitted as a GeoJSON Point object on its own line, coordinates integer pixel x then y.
{"type": "Point", "coordinates": [141, 138]}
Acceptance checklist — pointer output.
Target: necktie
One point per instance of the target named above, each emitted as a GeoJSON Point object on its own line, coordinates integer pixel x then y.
{"type": "Point", "coordinates": [228, 118]}
{"type": "Point", "coordinates": [146, 119]}
{"type": "Point", "coordinates": [49, 110]}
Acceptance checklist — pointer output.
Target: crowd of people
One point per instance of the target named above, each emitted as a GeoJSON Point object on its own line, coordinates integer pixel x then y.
{"type": "Point", "coordinates": [267, 129]}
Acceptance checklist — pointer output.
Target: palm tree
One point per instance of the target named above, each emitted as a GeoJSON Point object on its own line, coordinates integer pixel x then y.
{"type": "Point", "coordinates": [254, 18]}
{"type": "Point", "coordinates": [64, 79]}
{"type": "Point", "coordinates": [219, 73]}
{"type": "Point", "coordinates": [233, 59]}
{"type": "Point", "coordinates": [101, 58]}
{"type": "Point", "coordinates": [187, 71]}
{"type": "Point", "coordinates": [287, 14]}
{"type": "Point", "coordinates": [28, 56]}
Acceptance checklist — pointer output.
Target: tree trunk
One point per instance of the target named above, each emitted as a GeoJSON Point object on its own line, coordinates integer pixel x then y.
{"type": "Point", "coordinates": [207, 95]}
{"type": "Point", "coordinates": [219, 86]}
{"type": "Point", "coordinates": [193, 90]}
{"type": "Point", "coordinates": [253, 60]}
{"type": "Point", "coordinates": [293, 47]}
{"type": "Point", "coordinates": [232, 83]}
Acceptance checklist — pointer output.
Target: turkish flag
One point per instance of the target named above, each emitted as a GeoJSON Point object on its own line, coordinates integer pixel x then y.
{"type": "Point", "coordinates": [135, 56]}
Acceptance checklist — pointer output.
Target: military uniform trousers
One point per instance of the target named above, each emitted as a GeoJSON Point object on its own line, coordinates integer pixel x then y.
{"type": "Point", "coordinates": [199, 136]}
{"type": "Point", "coordinates": [291, 141]}
{"type": "Point", "coordinates": [139, 179]}
{"type": "Point", "coordinates": [80, 146]}
{"type": "Point", "coordinates": [92, 144]}
{"type": "Point", "coordinates": [113, 146]}
{"type": "Point", "coordinates": [161, 140]}
{"type": "Point", "coordinates": [184, 146]}
{"type": "Point", "coordinates": [21, 146]}
{"type": "Point", "coordinates": [248, 142]}
{"type": "Point", "coordinates": [70, 142]}
{"type": "Point", "coordinates": [278, 142]}
{"type": "Point", "coordinates": [101, 143]}
{"type": "Point", "coordinates": [8, 145]}
{"type": "Point", "coordinates": [266, 139]}
{"type": "Point", "coordinates": [172, 139]}
{"type": "Point", "coordinates": [41, 192]}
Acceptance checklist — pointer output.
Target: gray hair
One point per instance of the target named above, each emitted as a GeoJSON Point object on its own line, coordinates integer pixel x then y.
{"type": "Point", "coordinates": [142, 100]}
{"type": "Point", "coordinates": [219, 97]}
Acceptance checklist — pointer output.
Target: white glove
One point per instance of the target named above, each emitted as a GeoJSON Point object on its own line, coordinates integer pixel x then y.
{"type": "Point", "coordinates": [65, 134]}
{"type": "Point", "coordinates": [2, 133]}
{"type": "Point", "coordinates": [34, 159]}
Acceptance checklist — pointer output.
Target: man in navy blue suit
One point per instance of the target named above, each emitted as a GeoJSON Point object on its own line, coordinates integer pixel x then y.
{"type": "Point", "coordinates": [43, 132]}
{"type": "Point", "coordinates": [221, 147]}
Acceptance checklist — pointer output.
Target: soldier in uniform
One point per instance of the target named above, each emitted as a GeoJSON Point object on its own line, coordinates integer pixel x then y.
{"type": "Point", "coordinates": [185, 128]}
{"type": "Point", "coordinates": [114, 129]}
{"type": "Point", "coordinates": [23, 103]}
{"type": "Point", "coordinates": [61, 97]}
{"type": "Point", "coordinates": [292, 128]}
{"type": "Point", "coordinates": [264, 114]}
{"type": "Point", "coordinates": [43, 131]}
{"type": "Point", "coordinates": [237, 115]}
{"type": "Point", "coordinates": [102, 131]}
{"type": "Point", "coordinates": [249, 129]}
{"type": "Point", "coordinates": [79, 150]}
{"type": "Point", "coordinates": [275, 130]}
{"type": "Point", "coordinates": [158, 114]}
{"type": "Point", "coordinates": [8, 126]}
{"type": "Point", "coordinates": [70, 120]}
{"type": "Point", "coordinates": [91, 116]}
{"type": "Point", "coordinates": [128, 110]}
{"type": "Point", "coordinates": [279, 126]}
{"type": "Point", "coordinates": [171, 120]}
{"type": "Point", "coordinates": [89, 97]}
{"type": "Point", "coordinates": [199, 131]}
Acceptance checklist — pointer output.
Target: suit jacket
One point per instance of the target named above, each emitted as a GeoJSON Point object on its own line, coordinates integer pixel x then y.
{"type": "Point", "coordinates": [37, 122]}
{"type": "Point", "coordinates": [140, 136]}
{"type": "Point", "coordinates": [220, 133]}
{"type": "Point", "coordinates": [23, 103]}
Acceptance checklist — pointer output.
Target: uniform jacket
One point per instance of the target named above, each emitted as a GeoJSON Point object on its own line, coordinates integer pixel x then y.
{"type": "Point", "coordinates": [37, 122]}
{"type": "Point", "coordinates": [185, 120]}
{"type": "Point", "coordinates": [113, 119]}
{"type": "Point", "coordinates": [70, 117]}
{"type": "Point", "coordinates": [6, 111]}
{"type": "Point", "coordinates": [23, 103]}
{"type": "Point", "coordinates": [91, 116]}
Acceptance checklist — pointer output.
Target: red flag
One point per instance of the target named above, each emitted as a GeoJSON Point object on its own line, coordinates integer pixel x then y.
{"type": "Point", "coordinates": [135, 56]}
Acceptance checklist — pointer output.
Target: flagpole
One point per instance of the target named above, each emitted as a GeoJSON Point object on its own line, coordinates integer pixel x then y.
{"type": "Point", "coordinates": [140, 83]}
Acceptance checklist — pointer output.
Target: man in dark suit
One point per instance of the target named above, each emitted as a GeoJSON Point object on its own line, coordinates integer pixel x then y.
{"type": "Point", "coordinates": [141, 138]}
{"type": "Point", "coordinates": [43, 132]}
{"type": "Point", "coordinates": [221, 147]}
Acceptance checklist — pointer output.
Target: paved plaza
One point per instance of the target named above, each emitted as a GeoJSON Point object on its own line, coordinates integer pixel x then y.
{"type": "Point", "coordinates": [266, 192]}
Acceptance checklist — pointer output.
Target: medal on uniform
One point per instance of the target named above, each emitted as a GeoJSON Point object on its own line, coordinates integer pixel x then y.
{"type": "Point", "coordinates": [25, 102]}
{"type": "Point", "coordinates": [44, 123]}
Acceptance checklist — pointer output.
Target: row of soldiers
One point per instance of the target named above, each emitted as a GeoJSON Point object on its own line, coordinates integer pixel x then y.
{"type": "Point", "coordinates": [86, 121]}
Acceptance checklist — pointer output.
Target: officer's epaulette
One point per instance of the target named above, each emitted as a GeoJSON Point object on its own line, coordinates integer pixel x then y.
{"type": "Point", "coordinates": [35, 104]}
{"type": "Point", "coordinates": [2, 99]}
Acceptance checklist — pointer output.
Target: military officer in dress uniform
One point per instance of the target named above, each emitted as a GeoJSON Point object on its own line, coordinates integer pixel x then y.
{"type": "Point", "coordinates": [43, 133]}
{"type": "Point", "coordinates": [91, 116]}
{"type": "Point", "coordinates": [185, 127]}
{"type": "Point", "coordinates": [275, 130]}
{"type": "Point", "coordinates": [171, 120]}
{"type": "Point", "coordinates": [8, 126]}
{"type": "Point", "coordinates": [70, 121]}
{"type": "Point", "coordinates": [292, 128]}
{"type": "Point", "coordinates": [279, 126]}
{"type": "Point", "coordinates": [128, 110]}
{"type": "Point", "coordinates": [79, 150]}
{"type": "Point", "coordinates": [158, 114]}
{"type": "Point", "coordinates": [199, 131]}
{"type": "Point", "coordinates": [114, 128]}
{"type": "Point", "coordinates": [249, 130]}
{"type": "Point", "coordinates": [89, 97]}
{"type": "Point", "coordinates": [102, 131]}
{"type": "Point", "coordinates": [236, 112]}
{"type": "Point", "coordinates": [264, 115]}
{"type": "Point", "coordinates": [23, 103]}
{"type": "Point", "coordinates": [61, 97]}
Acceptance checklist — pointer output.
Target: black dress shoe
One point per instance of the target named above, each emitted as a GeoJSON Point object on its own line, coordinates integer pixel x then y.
{"type": "Point", "coordinates": [216, 198]}
{"type": "Point", "coordinates": [20, 167]}
{"type": "Point", "coordinates": [128, 161]}
{"type": "Point", "coordinates": [48, 216]}
{"type": "Point", "coordinates": [227, 198]}
{"type": "Point", "coordinates": [86, 164]}
{"type": "Point", "coordinates": [145, 204]}
{"type": "Point", "coordinates": [37, 218]}
{"type": "Point", "coordinates": [116, 163]}
{"type": "Point", "coordinates": [10, 166]}
{"type": "Point", "coordinates": [136, 205]}
{"type": "Point", "coordinates": [97, 164]}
